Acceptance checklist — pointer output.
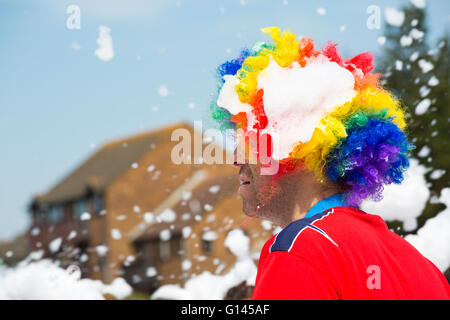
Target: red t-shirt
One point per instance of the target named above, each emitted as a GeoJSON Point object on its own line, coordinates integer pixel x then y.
{"type": "Point", "coordinates": [345, 253]}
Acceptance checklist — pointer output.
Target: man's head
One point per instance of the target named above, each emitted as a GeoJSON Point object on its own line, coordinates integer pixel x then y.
{"type": "Point", "coordinates": [327, 120]}
{"type": "Point", "coordinates": [275, 197]}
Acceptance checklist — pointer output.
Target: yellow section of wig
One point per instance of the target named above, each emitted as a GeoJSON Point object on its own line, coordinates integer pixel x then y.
{"type": "Point", "coordinates": [284, 53]}
{"type": "Point", "coordinates": [331, 128]}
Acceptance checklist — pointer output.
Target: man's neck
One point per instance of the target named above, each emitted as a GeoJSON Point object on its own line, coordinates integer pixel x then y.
{"type": "Point", "coordinates": [303, 204]}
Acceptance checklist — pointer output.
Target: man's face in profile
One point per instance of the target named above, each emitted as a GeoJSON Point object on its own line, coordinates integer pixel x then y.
{"type": "Point", "coordinates": [264, 196]}
{"type": "Point", "coordinates": [267, 185]}
{"type": "Point", "coordinates": [251, 187]}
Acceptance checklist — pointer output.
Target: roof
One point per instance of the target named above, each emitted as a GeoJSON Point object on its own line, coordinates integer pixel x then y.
{"type": "Point", "coordinates": [14, 250]}
{"type": "Point", "coordinates": [219, 185]}
{"type": "Point", "coordinates": [105, 165]}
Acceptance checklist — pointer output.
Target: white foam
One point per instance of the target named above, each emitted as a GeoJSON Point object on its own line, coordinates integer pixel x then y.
{"type": "Point", "coordinates": [433, 239]}
{"type": "Point", "coordinates": [105, 51]}
{"type": "Point", "coordinates": [394, 17]}
{"type": "Point", "coordinates": [397, 203]}
{"type": "Point", "coordinates": [44, 280]}
{"type": "Point", "coordinates": [229, 99]}
{"type": "Point", "coordinates": [296, 98]}
{"type": "Point", "coordinates": [206, 285]}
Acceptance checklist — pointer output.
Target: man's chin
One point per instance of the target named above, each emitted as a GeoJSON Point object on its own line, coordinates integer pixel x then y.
{"type": "Point", "coordinates": [250, 211]}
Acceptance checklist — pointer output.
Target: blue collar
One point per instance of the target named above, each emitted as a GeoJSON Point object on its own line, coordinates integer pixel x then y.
{"type": "Point", "coordinates": [334, 201]}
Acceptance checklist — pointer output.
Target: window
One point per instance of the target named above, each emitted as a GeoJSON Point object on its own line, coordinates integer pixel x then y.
{"type": "Point", "coordinates": [207, 246]}
{"type": "Point", "coordinates": [151, 252]}
{"type": "Point", "coordinates": [56, 214]}
{"type": "Point", "coordinates": [207, 240]}
{"type": "Point", "coordinates": [41, 214]}
{"type": "Point", "coordinates": [79, 207]}
{"type": "Point", "coordinates": [182, 248]}
{"type": "Point", "coordinates": [40, 217]}
{"type": "Point", "coordinates": [98, 203]}
{"type": "Point", "coordinates": [164, 250]}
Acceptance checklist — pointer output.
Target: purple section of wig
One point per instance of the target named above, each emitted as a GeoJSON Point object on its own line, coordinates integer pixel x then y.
{"type": "Point", "coordinates": [371, 156]}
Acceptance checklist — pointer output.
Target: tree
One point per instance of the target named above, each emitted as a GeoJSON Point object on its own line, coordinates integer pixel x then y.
{"type": "Point", "coordinates": [420, 78]}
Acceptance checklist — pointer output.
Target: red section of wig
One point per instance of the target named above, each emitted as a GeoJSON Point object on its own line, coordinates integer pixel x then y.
{"type": "Point", "coordinates": [258, 110]}
{"type": "Point", "coordinates": [363, 61]}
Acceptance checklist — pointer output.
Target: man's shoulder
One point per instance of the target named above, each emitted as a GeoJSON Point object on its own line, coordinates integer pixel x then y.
{"type": "Point", "coordinates": [326, 230]}
{"type": "Point", "coordinates": [286, 238]}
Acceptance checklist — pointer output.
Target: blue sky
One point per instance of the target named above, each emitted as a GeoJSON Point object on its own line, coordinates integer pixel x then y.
{"type": "Point", "coordinates": [58, 104]}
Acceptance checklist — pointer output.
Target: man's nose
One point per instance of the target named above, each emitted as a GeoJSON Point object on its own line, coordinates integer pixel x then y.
{"type": "Point", "coordinates": [236, 164]}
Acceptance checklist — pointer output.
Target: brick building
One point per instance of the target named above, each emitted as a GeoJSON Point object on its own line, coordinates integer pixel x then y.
{"type": "Point", "coordinates": [203, 216]}
{"type": "Point", "coordinates": [14, 251]}
{"type": "Point", "coordinates": [124, 210]}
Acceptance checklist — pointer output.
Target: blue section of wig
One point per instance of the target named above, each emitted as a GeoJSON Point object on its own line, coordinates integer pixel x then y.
{"type": "Point", "coordinates": [232, 66]}
{"type": "Point", "coordinates": [221, 115]}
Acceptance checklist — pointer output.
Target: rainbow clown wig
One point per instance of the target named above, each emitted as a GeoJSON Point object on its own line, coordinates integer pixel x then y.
{"type": "Point", "coordinates": [318, 109]}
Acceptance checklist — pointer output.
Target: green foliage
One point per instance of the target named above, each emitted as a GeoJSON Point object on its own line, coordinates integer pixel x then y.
{"type": "Point", "coordinates": [406, 77]}
{"type": "Point", "coordinates": [137, 295]}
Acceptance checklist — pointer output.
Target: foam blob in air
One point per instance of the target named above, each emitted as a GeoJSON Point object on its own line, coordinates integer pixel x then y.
{"type": "Point", "coordinates": [105, 51]}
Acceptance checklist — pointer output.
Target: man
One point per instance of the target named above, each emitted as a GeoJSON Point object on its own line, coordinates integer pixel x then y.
{"type": "Point", "coordinates": [327, 250]}
{"type": "Point", "coordinates": [336, 138]}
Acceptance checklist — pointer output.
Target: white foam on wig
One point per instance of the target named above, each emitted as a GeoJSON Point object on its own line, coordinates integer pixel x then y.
{"type": "Point", "coordinates": [229, 99]}
{"type": "Point", "coordinates": [296, 98]}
